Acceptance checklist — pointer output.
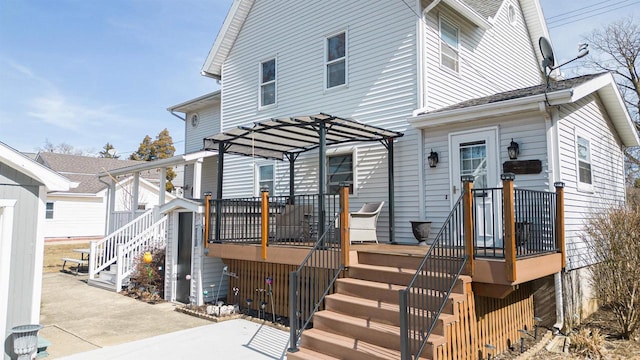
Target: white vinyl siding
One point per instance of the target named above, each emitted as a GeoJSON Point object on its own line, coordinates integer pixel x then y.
{"type": "Point", "coordinates": [607, 172]}
{"type": "Point", "coordinates": [381, 91]}
{"type": "Point", "coordinates": [208, 124]}
{"type": "Point", "coordinates": [76, 217]}
{"type": "Point", "coordinates": [268, 83]}
{"type": "Point", "coordinates": [490, 61]}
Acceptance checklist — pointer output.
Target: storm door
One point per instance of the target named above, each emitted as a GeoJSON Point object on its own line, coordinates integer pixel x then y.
{"type": "Point", "coordinates": [185, 244]}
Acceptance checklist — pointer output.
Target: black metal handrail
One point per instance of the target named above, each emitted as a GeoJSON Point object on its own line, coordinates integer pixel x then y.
{"type": "Point", "coordinates": [424, 299]}
{"type": "Point", "coordinates": [313, 281]}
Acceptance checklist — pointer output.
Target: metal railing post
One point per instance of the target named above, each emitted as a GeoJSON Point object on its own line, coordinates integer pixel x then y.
{"type": "Point", "coordinates": [344, 223]}
{"type": "Point", "coordinates": [560, 221]}
{"type": "Point", "coordinates": [467, 221]}
{"type": "Point", "coordinates": [405, 348]}
{"type": "Point", "coordinates": [293, 312]}
{"type": "Point", "coordinates": [509, 226]}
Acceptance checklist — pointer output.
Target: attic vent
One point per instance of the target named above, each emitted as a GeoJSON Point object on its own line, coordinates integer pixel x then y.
{"type": "Point", "coordinates": [195, 119]}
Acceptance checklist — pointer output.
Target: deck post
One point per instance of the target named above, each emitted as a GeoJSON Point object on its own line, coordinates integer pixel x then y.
{"type": "Point", "coordinates": [344, 223]}
{"type": "Point", "coordinates": [207, 217]}
{"type": "Point", "coordinates": [467, 221]}
{"type": "Point", "coordinates": [293, 312]}
{"type": "Point", "coordinates": [264, 223]}
{"type": "Point", "coordinates": [509, 226]}
{"type": "Point", "coordinates": [560, 221]}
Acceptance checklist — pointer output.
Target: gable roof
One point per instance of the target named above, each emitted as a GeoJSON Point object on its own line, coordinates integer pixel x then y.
{"type": "Point", "coordinates": [84, 169]}
{"type": "Point", "coordinates": [22, 163]}
{"type": "Point", "coordinates": [487, 8]}
{"type": "Point", "coordinates": [533, 98]}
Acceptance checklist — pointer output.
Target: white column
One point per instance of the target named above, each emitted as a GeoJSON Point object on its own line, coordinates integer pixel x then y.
{"type": "Point", "coordinates": [163, 186]}
{"type": "Point", "coordinates": [111, 207]}
{"type": "Point", "coordinates": [135, 193]}
{"type": "Point", "coordinates": [197, 179]}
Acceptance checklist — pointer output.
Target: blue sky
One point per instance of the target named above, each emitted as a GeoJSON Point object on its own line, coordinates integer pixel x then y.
{"type": "Point", "coordinates": [85, 72]}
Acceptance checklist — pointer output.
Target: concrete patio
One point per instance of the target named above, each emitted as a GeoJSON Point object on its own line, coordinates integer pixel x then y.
{"type": "Point", "coordinates": [84, 322]}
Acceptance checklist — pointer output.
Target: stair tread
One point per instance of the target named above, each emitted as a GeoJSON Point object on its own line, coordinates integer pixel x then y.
{"type": "Point", "coordinates": [388, 286]}
{"type": "Point", "coordinates": [304, 353]}
{"type": "Point", "coordinates": [353, 344]}
{"type": "Point", "coordinates": [374, 325]}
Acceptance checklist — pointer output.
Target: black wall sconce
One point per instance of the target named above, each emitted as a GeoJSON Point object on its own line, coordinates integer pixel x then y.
{"type": "Point", "coordinates": [514, 150]}
{"type": "Point", "coordinates": [432, 159]}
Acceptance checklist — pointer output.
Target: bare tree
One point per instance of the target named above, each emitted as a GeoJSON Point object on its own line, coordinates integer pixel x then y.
{"type": "Point", "coordinates": [617, 50]}
{"type": "Point", "coordinates": [62, 148]}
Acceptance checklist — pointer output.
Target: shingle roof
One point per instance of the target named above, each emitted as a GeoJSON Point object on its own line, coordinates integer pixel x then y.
{"type": "Point", "coordinates": [84, 169]}
{"type": "Point", "coordinates": [519, 93]}
{"type": "Point", "coordinates": [486, 8]}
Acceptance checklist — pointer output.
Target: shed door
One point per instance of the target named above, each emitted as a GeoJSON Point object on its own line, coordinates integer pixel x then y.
{"type": "Point", "coordinates": [185, 244]}
{"type": "Point", "coordinates": [475, 153]}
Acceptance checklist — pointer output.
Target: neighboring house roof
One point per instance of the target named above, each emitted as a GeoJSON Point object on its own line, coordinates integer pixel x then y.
{"type": "Point", "coordinates": [84, 169]}
{"type": "Point", "coordinates": [486, 8]}
{"type": "Point", "coordinates": [22, 163]}
{"type": "Point", "coordinates": [533, 99]}
{"type": "Point", "coordinates": [196, 104]}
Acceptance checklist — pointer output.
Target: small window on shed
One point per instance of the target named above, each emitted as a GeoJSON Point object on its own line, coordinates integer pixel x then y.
{"type": "Point", "coordinates": [49, 212]}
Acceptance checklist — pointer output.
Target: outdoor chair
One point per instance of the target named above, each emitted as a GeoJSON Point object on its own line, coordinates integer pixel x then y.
{"type": "Point", "coordinates": [362, 223]}
{"type": "Point", "coordinates": [293, 222]}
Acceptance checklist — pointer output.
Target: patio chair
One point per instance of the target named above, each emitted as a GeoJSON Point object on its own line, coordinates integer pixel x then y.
{"type": "Point", "coordinates": [293, 222]}
{"type": "Point", "coordinates": [362, 223]}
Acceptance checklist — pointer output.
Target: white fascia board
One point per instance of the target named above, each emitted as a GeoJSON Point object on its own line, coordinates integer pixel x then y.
{"type": "Point", "coordinates": [157, 164]}
{"type": "Point", "coordinates": [469, 14]}
{"type": "Point", "coordinates": [70, 194]}
{"type": "Point", "coordinates": [500, 108]}
{"type": "Point", "coordinates": [182, 107]}
{"type": "Point", "coordinates": [51, 179]}
{"type": "Point", "coordinates": [182, 203]}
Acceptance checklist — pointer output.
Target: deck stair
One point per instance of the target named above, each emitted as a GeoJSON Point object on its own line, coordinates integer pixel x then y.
{"type": "Point", "coordinates": [361, 319]}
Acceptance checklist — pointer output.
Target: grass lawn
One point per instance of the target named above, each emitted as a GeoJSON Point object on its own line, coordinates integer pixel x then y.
{"type": "Point", "coordinates": [53, 254]}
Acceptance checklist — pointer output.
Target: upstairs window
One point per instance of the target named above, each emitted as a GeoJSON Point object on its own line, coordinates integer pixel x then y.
{"type": "Point", "coordinates": [336, 60]}
{"type": "Point", "coordinates": [265, 178]}
{"type": "Point", "coordinates": [449, 42]}
{"type": "Point", "coordinates": [583, 151]}
{"type": "Point", "coordinates": [268, 83]}
{"type": "Point", "coordinates": [49, 211]}
{"type": "Point", "coordinates": [340, 170]}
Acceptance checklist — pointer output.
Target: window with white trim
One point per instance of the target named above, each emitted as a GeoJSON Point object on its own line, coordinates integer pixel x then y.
{"type": "Point", "coordinates": [339, 170]}
{"type": "Point", "coordinates": [268, 82]}
{"type": "Point", "coordinates": [49, 211]}
{"type": "Point", "coordinates": [449, 43]}
{"type": "Point", "coordinates": [266, 178]}
{"type": "Point", "coordinates": [336, 60]}
{"type": "Point", "coordinates": [583, 155]}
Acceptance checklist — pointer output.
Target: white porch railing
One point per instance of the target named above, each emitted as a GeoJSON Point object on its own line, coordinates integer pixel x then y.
{"type": "Point", "coordinates": [153, 237]}
{"type": "Point", "coordinates": [122, 218]}
{"type": "Point", "coordinates": [104, 252]}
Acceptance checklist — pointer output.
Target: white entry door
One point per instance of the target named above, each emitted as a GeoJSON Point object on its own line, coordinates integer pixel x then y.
{"type": "Point", "coordinates": [475, 153]}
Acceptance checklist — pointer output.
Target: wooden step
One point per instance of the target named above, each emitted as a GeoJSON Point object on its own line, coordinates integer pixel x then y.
{"type": "Point", "coordinates": [389, 293]}
{"type": "Point", "coordinates": [372, 332]}
{"type": "Point", "coordinates": [343, 347]}
{"type": "Point", "coordinates": [378, 311]}
{"type": "Point", "coordinates": [308, 354]}
{"type": "Point", "coordinates": [408, 261]}
{"type": "Point", "coordinates": [400, 276]}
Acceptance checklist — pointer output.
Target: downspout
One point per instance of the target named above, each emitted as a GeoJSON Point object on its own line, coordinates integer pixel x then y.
{"type": "Point", "coordinates": [551, 122]}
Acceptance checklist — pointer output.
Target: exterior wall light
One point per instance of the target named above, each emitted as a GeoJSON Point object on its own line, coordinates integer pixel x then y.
{"type": "Point", "coordinates": [432, 159]}
{"type": "Point", "coordinates": [514, 150]}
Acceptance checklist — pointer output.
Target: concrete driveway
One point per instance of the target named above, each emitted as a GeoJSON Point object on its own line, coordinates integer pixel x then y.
{"type": "Point", "coordinates": [78, 318]}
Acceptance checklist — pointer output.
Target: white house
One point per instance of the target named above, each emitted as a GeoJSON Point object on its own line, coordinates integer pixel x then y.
{"type": "Point", "coordinates": [454, 84]}
{"type": "Point", "coordinates": [82, 211]}
{"type": "Point", "coordinates": [24, 185]}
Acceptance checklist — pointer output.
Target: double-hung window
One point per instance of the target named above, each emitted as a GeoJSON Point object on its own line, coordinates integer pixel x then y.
{"type": "Point", "coordinates": [449, 42]}
{"type": "Point", "coordinates": [265, 178]}
{"type": "Point", "coordinates": [340, 170]}
{"type": "Point", "coordinates": [49, 211]}
{"type": "Point", "coordinates": [336, 60]}
{"type": "Point", "coordinates": [268, 82]}
{"type": "Point", "coordinates": [583, 152]}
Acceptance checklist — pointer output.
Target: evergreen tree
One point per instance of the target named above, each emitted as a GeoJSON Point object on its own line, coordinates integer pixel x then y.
{"type": "Point", "coordinates": [108, 151]}
{"type": "Point", "coordinates": [160, 148]}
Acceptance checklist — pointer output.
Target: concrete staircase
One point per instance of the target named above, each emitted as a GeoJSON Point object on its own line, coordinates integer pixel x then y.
{"type": "Point", "coordinates": [361, 319]}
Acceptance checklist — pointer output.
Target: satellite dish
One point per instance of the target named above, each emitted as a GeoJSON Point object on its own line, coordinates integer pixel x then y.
{"type": "Point", "coordinates": [548, 60]}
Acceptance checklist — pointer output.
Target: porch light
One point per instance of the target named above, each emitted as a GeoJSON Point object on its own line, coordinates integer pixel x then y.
{"type": "Point", "coordinates": [514, 150]}
{"type": "Point", "coordinates": [433, 159]}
